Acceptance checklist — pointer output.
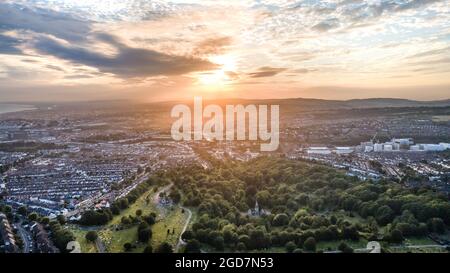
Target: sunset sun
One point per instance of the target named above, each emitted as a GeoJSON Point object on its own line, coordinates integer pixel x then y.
{"type": "Point", "coordinates": [213, 79]}
{"type": "Point", "coordinates": [221, 77]}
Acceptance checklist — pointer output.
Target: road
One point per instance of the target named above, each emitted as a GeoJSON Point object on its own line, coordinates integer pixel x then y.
{"type": "Point", "coordinates": [363, 250]}
{"type": "Point", "coordinates": [419, 246]}
{"type": "Point", "coordinates": [188, 220]}
{"type": "Point", "coordinates": [100, 246]}
{"type": "Point", "coordinates": [180, 240]}
{"type": "Point", "coordinates": [24, 234]}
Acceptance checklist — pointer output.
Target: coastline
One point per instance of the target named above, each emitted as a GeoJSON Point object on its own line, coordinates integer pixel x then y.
{"type": "Point", "coordinates": [12, 108]}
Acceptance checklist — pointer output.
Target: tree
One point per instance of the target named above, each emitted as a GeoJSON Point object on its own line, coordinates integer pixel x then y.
{"type": "Point", "coordinates": [95, 218]}
{"type": "Point", "coordinates": [281, 219]}
{"type": "Point", "coordinates": [241, 246]}
{"type": "Point", "coordinates": [61, 237]}
{"type": "Point", "coordinates": [436, 225]}
{"type": "Point", "coordinates": [125, 220]}
{"type": "Point", "coordinates": [175, 196]}
{"type": "Point", "coordinates": [345, 248]}
{"type": "Point", "coordinates": [143, 225]}
{"type": "Point", "coordinates": [263, 198]}
{"type": "Point", "coordinates": [187, 235]}
{"type": "Point", "coordinates": [164, 248]}
{"type": "Point", "coordinates": [61, 219]}
{"type": "Point", "coordinates": [384, 215]}
{"type": "Point", "coordinates": [22, 210]}
{"type": "Point", "coordinates": [350, 233]}
{"type": "Point", "coordinates": [310, 244]}
{"type": "Point", "coordinates": [148, 249]}
{"type": "Point", "coordinates": [45, 220]}
{"type": "Point", "coordinates": [395, 236]}
{"type": "Point", "coordinates": [259, 239]}
{"type": "Point", "coordinates": [91, 236]}
{"type": "Point", "coordinates": [218, 243]}
{"type": "Point", "coordinates": [333, 220]}
{"type": "Point", "coordinates": [32, 216]}
{"type": "Point", "coordinates": [290, 246]}
{"type": "Point", "coordinates": [7, 209]}
{"type": "Point", "coordinates": [115, 209]}
{"type": "Point", "coordinates": [149, 219]}
{"type": "Point", "coordinates": [192, 246]}
{"type": "Point", "coordinates": [138, 212]}
{"type": "Point", "coordinates": [123, 203]}
{"type": "Point", "coordinates": [127, 247]}
{"type": "Point", "coordinates": [144, 235]}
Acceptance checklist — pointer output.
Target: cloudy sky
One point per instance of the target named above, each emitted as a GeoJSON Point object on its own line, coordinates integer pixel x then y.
{"type": "Point", "coordinates": [160, 50]}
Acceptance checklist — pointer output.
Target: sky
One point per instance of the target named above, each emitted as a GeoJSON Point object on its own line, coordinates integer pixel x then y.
{"type": "Point", "coordinates": [70, 50]}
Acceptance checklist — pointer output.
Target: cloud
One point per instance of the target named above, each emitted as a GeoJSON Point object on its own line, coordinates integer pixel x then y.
{"type": "Point", "coordinates": [78, 76]}
{"type": "Point", "coordinates": [367, 11]}
{"type": "Point", "coordinates": [303, 70]}
{"type": "Point", "coordinates": [431, 53]}
{"type": "Point", "coordinates": [8, 45]}
{"type": "Point", "coordinates": [58, 24]}
{"type": "Point", "coordinates": [232, 75]}
{"type": "Point", "coordinates": [129, 62]}
{"type": "Point", "coordinates": [213, 46]}
{"type": "Point", "coordinates": [266, 71]}
{"type": "Point", "coordinates": [54, 67]}
{"type": "Point", "coordinates": [433, 62]}
{"type": "Point", "coordinates": [326, 25]}
{"type": "Point", "coordinates": [111, 10]}
{"type": "Point", "coordinates": [414, 4]}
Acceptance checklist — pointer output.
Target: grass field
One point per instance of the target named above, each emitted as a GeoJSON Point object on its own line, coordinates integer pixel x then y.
{"type": "Point", "coordinates": [86, 246]}
{"type": "Point", "coordinates": [419, 250]}
{"type": "Point", "coordinates": [114, 237]}
{"type": "Point", "coordinates": [144, 203]}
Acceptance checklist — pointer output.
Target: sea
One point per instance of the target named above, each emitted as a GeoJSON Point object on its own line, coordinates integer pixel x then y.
{"type": "Point", "coordinates": [9, 108]}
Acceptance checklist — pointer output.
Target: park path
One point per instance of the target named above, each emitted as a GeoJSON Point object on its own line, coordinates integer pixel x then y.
{"type": "Point", "coordinates": [365, 250]}
{"type": "Point", "coordinates": [180, 240]}
{"type": "Point", "coordinates": [155, 199]}
{"type": "Point", "coordinates": [100, 246]}
{"type": "Point", "coordinates": [163, 189]}
{"type": "Point", "coordinates": [188, 220]}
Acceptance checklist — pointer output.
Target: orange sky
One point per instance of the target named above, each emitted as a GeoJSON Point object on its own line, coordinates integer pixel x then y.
{"type": "Point", "coordinates": [160, 50]}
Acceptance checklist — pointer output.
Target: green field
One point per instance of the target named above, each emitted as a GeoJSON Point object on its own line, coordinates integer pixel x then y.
{"type": "Point", "coordinates": [86, 246]}
{"type": "Point", "coordinates": [114, 236]}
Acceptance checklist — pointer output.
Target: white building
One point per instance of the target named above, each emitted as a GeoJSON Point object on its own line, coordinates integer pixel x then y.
{"type": "Point", "coordinates": [445, 145]}
{"type": "Point", "coordinates": [319, 150]}
{"type": "Point", "coordinates": [432, 147]}
{"type": "Point", "coordinates": [415, 148]}
{"type": "Point", "coordinates": [377, 147]}
{"type": "Point", "coordinates": [387, 147]}
{"type": "Point", "coordinates": [403, 141]}
{"type": "Point", "coordinates": [343, 150]}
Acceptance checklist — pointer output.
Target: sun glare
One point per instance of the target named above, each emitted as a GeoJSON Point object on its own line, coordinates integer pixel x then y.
{"type": "Point", "coordinates": [221, 77]}
{"type": "Point", "coordinates": [215, 78]}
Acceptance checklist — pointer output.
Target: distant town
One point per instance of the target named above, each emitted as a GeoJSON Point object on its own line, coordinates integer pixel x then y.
{"type": "Point", "coordinates": [61, 161]}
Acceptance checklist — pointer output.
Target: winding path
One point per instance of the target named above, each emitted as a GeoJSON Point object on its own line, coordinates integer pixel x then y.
{"type": "Point", "coordinates": [100, 246]}
{"type": "Point", "coordinates": [188, 220]}
{"type": "Point", "coordinates": [24, 235]}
